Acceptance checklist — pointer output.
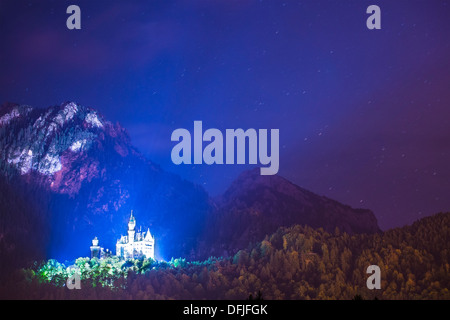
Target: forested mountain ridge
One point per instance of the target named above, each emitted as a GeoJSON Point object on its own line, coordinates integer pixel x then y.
{"type": "Point", "coordinates": [297, 262]}
{"type": "Point", "coordinates": [255, 205]}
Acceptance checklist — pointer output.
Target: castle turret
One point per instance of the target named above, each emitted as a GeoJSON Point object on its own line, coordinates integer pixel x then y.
{"type": "Point", "coordinates": [131, 226]}
{"type": "Point", "coordinates": [149, 245]}
{"type": "Point", "coordinates": [132, 222]}
{"type": "Point", "coordinates": [95, 249]}
{"type": "Point", "coordinates": [148, 236]}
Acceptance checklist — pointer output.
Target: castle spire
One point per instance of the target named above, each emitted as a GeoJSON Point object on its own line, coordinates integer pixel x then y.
{"type": "Point", "coordinates": [132, 222]}
{"type": "Point", "coordinates": [148, 236]}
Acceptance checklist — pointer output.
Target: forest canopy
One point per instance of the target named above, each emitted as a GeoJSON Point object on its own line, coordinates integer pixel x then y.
{"type": "Point", "coordinates": [293, 263]}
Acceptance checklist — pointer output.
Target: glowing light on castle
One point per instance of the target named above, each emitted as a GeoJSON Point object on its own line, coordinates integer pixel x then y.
{"type": "Point", "coordinates": [135, 244]}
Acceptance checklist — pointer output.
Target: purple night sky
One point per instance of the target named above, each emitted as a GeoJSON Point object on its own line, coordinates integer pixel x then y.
{"type": "Point", "coordinates": [364, 115]}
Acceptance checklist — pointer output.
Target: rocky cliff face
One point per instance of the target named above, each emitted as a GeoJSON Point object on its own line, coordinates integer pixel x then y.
{"type": "Point", "coordinates": [61, 145]}
{"type": "Point", "coordinates": [256, 205]}
{"type": "Point", "coordinates": [95, 177]}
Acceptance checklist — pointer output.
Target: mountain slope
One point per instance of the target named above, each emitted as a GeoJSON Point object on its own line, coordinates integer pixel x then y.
{"type": "Point", "coordinates": [256, 205]}
{"type": "Point", "coordinates": [298, 263]}
{"type": "Point", "coordinates": [87, 177]}
{"type": "Point", "coordinates": [94, 177]}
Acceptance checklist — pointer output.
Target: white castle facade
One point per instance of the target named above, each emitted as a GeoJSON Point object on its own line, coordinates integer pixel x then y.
{"type": "Point", "coordinates": [135, 244]}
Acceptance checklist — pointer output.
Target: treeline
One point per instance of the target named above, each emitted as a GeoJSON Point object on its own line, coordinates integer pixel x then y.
{"type": "Point", "coordinates": [293, 263]}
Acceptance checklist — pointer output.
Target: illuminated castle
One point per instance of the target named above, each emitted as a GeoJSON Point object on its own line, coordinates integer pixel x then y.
{"type": "Point", "coordinates": [135, 245]}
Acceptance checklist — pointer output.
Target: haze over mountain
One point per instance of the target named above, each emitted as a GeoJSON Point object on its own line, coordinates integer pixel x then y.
{"type": "Point", "coordinates": [76, 175]}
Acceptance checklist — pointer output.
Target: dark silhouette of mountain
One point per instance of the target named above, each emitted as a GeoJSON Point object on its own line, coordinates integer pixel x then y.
{"type": "Point", "coordinates": [69, 175]}
{"type": "Point", "coordinates": [256, 205]}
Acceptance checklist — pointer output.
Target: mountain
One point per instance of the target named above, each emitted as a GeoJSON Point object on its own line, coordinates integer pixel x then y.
{"type": "Point", "coordinates": [90, 177]}
{"type": "Point", "coordinates": [256, 205]}
{"type": "Point", "coordinates": [68, 175]}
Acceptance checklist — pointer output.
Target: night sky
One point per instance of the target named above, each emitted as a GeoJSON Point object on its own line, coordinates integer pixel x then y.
{"type": "Point", "coordinates": [364, 115]}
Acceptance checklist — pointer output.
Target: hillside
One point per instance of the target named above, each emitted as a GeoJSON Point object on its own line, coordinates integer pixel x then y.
{"type": "Point", "coordinates": [86, 177]}
{"type": "Point", "coordinates": [68, 169]}
{"type": "Point", "coordinates": [293, 263]}
{"type": "Point", "coordinates": [255, 205]}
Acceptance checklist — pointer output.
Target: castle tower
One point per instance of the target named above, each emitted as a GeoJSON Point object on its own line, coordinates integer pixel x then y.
{"type": "Point", "coordinates": [149, 245]}
{"type": "Point", "coordinates": [131, 226]}
{"type": "Point", "coordinates": [95, 249]}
